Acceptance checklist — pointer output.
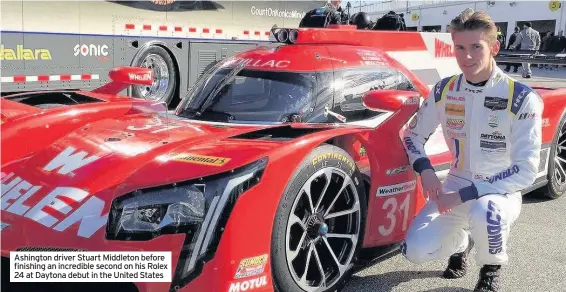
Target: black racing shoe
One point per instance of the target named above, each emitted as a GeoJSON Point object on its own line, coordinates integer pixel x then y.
{"type": "Point", "coordinates": [459, 262]}
{"type": "Point", "coordinates": [489, 279]}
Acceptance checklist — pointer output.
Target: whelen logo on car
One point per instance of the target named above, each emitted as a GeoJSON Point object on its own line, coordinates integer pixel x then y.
{"type": "Point", "coordinates": [139, 77]}
{"type": "Point", "coordinates": [396, 189]}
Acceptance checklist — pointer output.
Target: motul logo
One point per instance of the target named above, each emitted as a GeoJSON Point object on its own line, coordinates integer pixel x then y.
{"type": "Point", "coordinates": [248, 285]}
{"type": "Point", "coordinates": [139, 77]}
{"type": "Point", "coordinates": [442, 49]}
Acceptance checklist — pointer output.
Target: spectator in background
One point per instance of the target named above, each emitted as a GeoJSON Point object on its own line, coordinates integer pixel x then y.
{"type": "Point", "coordinates": [554, 46]}
{"type": "Point", "coordinates": [512, 39]}
{"type": "Point", "coordinates": [529, 39]}
{"type": "Point", "coordinates": [500, 37]}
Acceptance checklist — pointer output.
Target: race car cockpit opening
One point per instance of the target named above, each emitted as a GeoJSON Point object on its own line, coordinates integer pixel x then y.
{"type": "Point", "coordinates": [228, 94]}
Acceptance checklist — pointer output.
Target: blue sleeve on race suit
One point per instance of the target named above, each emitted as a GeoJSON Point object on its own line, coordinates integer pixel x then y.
{"type": "Point", "coordinates": [421, 126]}
{"type": "Point", "coordinates": [526, 139]}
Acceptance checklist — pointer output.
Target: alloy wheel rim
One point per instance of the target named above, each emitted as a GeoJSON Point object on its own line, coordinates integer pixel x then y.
{"type": "Point", "coordinates": [155, 91]}
{"type": "Point", "coordinates": [323, 229]}
{"type": "Point", "coordinates": [560, 157]}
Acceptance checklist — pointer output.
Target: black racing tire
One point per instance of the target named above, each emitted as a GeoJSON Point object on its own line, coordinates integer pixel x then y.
{"type": "Point", "coordinates": [342, 168]}
{"type": "Point", "coordinates": [164, 90]}
{"type": "Point", "coordinates": [556, 186]}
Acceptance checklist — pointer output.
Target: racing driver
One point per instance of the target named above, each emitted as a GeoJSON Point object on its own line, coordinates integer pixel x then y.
{"type": "Point", "coordinates": [492, 125]}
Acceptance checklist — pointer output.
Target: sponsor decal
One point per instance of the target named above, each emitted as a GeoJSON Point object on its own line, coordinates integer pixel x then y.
{"type": "Point", "coordinates": [396, 189]}
{"type": "Point", "coordinates": [251, 267]}
{"type": "Point", "coordinates": [256, 63]}
{"type": "Point", "coordinates": [525, 116]}
{"type": "Point", "coordinates": [24, 54]}
{"type": "Point", "coordinates": [495, 136]}
{"type": "Point", "coordinates": [332, 155]}
{"type": "Point", "coordinates": [478, 176]}
{"type": "Point", "coordinates": [162, 2]}
{"type": "Point", "coordinates": [455, 109]}
{"type": "Point", "coordinates": [412, 100]}
{"type": "Point", "coordinates": [277, 13]}
{"type": "Point", "coordinates": [504, 174]}
{"type": "Point", "coordinates": [455, 124]}
{"type": "Point", "coordinates": [494, 236]}
{"type": "Point", "coordinates": [413, 122]}
{"type": "Point", "coordinates": [248, 285]}
{"type": "Point", "coordinates": [139, 77]}
{"type": "Point", "coordinates": [370, 57]}
{"type": "Point", "coordinates": [398, 170]}
{"type": "Point", "coordinates": [454, 134]}
{"type": "Point", "coordinates": [473, 90]}
{"type": "Point", "coordinates": [545, 122]}
{"type": "Point", "coordinates": [201, 159]}
{"type": "Point", "coordinates": [442, 49]}
{"type": "Point", "coordinates": [91, 50]}
{"type": "Point", "coordinates": [60, 207]}
{"type": "Point", "coordinates": [411, 146]}
{"type": "Point", "coordinates": [493, 121]}
{"type": "Point", "coordinates": [495, 103]}
{"type": "Point", "coordinates": [456, 98]}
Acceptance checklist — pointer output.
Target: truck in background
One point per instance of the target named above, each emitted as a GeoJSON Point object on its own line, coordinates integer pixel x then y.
{"type": "Point", "coordinates": [73, 45]}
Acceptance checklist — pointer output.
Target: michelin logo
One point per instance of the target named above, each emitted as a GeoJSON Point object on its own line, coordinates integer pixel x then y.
{"type": "Point", "coordinates": [396, 189]}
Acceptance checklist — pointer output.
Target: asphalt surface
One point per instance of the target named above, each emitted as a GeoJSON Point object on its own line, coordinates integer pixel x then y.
{"type": "Point", "coordinates": [537, 246]}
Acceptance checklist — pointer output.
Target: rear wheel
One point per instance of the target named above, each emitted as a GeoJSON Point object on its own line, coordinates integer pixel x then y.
{"type": "Point", "coordinates": [557, 164]}
{"type": "Point", "coordinates": [319, 225]}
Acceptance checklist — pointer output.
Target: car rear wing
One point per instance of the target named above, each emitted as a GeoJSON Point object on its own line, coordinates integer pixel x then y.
{"type": "Point", "coordinates": [524, 56]}
{"type": "Point", "coordinates": [123, 77]}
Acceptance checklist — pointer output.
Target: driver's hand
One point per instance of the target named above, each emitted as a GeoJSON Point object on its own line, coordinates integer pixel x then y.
{"type": "Point", "coordinates": [432, 187]}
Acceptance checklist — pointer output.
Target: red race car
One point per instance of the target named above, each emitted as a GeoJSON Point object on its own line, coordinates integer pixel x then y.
{"type": "Point", "coordinates": [282, 169]}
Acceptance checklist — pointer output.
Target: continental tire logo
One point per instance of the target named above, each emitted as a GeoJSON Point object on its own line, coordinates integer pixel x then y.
{"type": "Point", "coordinates": [333, 155]}
{"type": "Point", "coordinates": [201, 159]}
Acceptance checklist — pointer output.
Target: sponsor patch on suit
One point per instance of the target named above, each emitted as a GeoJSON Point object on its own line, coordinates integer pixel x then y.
{"type": "Point", "coordinates": [495, 103]}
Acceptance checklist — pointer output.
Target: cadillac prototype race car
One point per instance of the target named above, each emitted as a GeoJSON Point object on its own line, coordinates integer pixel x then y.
{"type": "Point", "coordinates": [282, 170]}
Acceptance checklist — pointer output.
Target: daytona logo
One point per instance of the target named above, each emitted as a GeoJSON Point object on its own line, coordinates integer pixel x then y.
{"type": "Point", "coordinates": [396, 189]}
{"type": "Point", "coordinates": [494, 136]}
{"type": "Point", "coordinates": [61, 200]}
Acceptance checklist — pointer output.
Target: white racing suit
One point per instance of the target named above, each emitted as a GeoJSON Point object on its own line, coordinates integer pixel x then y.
{"type": "Point", "coordinates": [494, 135]}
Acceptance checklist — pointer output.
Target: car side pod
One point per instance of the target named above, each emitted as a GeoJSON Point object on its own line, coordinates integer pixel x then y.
{"type": "Point", "coordinates": [122, 77]}
{"type": "Point", "coordinates": [389, 100]}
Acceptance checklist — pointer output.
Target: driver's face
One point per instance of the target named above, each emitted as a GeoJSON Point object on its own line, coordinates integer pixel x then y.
{"type": "Point", "coordinates": [335, 3]}
{"type": "Point", "coordinates": [473, 51]}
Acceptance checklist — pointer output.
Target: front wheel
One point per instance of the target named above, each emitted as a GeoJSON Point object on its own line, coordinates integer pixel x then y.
{"type": "Point", "coordinates": [557, 164]}
{"type": "Point", "coordinates": [319, 224]}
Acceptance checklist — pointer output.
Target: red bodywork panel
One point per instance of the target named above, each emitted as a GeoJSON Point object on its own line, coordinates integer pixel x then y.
{"type": "Point", "coordinates": [127, 144]}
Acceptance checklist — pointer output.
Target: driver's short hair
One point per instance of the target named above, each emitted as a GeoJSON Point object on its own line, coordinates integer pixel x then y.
{"type": "Point", "coordinates": [474, 20]}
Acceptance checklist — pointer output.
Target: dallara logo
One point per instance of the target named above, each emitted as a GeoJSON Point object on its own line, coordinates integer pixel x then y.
{"type": "Point", "coordinates": [22, 53]}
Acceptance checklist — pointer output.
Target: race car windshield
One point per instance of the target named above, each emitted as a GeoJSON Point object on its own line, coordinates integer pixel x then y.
{"type": "Point", "coordinates": [237, 94]}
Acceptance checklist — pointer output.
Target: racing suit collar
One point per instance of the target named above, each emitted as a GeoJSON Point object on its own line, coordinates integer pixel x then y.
{"type": "Point", "coordinates": [493, 79]}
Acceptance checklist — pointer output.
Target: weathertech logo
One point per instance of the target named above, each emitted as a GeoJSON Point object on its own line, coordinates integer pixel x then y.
{"type": "Point", "coordinates": [442, 49]}
{"type": "Point", "coordinates": [396, 189]}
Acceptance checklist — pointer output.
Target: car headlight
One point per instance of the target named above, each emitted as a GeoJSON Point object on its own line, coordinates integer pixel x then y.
{"type": "Point", "coordinates": [198, 208]}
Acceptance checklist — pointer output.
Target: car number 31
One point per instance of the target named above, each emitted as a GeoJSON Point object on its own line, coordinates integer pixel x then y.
{"type": "Point", "coordinates": [395, 212]}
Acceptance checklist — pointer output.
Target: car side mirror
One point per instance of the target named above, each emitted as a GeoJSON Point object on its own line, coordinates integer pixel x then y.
{"type": "Point", "coordinates": [389, 100]}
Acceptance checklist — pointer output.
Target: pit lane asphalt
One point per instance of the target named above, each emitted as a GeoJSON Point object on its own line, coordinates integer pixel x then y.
{"type": "Point", "coordinates": [537, 246]}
